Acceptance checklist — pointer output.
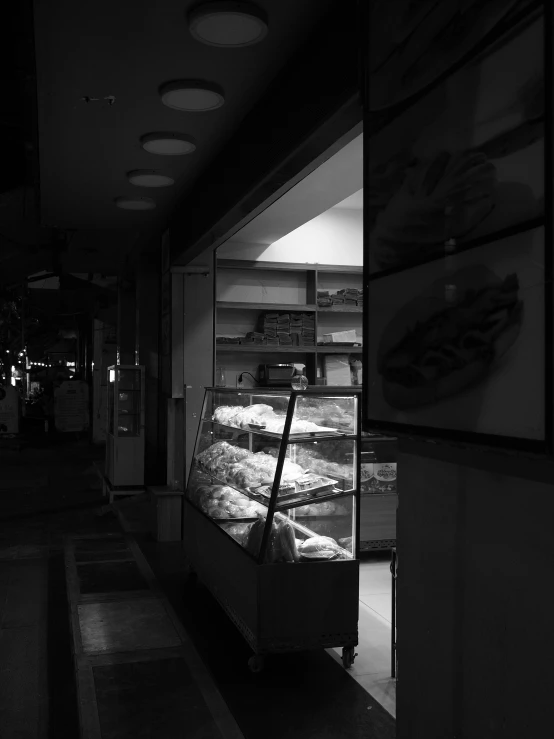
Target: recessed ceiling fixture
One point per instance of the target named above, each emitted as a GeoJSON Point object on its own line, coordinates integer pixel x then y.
{"type": "Point", "coordinates": [168, 144]}
{"type": "Point", "coordinates": [230, 24]}
{"type": "Point", "coordinates": [192, 95]}
{"type": "Point", "coordinates": [149, 178]}
{"type": "Point", "coordinates": [135, 203]}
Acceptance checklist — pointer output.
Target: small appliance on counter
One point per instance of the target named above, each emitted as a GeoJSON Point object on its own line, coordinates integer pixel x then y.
{"type": "Point", "coordinates": [276, 375]}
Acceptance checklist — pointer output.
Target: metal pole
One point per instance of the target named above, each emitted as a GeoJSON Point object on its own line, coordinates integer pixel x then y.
{"type": "Point", "coordinates": [277, 478]}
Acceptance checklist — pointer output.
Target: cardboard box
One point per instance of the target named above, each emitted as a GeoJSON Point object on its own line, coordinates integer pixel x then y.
{"type": "Point", "coordinates": [340, 336]}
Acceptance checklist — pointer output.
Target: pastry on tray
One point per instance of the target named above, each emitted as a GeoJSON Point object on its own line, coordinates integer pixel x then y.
{"type": "Point", "coordinates": [244, 468]}
{"type": "Point", "coordinates": [321, 547]}
{"type": "Point", "coordinates": [263, 416]}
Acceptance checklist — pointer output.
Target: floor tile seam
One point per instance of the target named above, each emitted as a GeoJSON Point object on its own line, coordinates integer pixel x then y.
{"type": "Point", "coordinates": [84, 657]}
{"type": "Point", "coordinates": [119, 596]}
{"type": "Point", "coordinates": [151, 654]}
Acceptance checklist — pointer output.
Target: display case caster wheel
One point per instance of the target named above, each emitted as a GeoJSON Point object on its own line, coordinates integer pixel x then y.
{"type": "Point", "coordinates": [256, 663]}
{"type": "Point", "coordinates": [348, 656]}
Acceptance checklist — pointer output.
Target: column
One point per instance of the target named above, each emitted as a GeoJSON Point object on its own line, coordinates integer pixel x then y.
{"type": "Point", "coordinates": [147, 333]}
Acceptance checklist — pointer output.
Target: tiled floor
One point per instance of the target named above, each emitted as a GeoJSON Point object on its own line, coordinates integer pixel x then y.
{"type": "Point", "coordinates": [372, 668]}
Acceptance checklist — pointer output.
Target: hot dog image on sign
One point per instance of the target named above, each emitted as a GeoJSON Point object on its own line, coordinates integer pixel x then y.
{"type": "Point", "coordinates": [459, 344]}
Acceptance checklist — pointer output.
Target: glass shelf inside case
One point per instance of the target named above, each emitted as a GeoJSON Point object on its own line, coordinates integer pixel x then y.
{"type": "Point", "coordinates": [128, 425]}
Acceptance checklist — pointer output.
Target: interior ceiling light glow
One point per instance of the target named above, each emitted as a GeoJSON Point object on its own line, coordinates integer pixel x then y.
{"type": "Point", "coordinates": [149, 178]}
{"type": "Point", "coordinates": [192, 96]}
{"type": "Point", "coordinates": [135, 203]}
{"type": "Point", "coordinates": [168, 144]}
{"type": "Point", "coordinates": [230, 24]}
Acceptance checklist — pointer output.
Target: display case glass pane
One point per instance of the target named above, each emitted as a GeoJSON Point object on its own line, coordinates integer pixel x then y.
{"type": "Point", "coordinates": [111, 406]}
{"type": "Point", "coordinates": [317, 531]}
{"type": "Point", "coordinates": [128, 425]}
{"type": "Point", "coordinates": [128, 379]}
{"type": "Point", "coordinates": [236, 463]}
{"type": "Point", "coordinates": [228, 508]}
{"type": "Point", "coordinates": [318, 414]}
{"type": "Point", "coordinates": [332, 520]}
{"type": "Point", "coordinates": [128, 402]}
{"type": "Point", "coordinates": [314, 416]}
{"type": "Point", "coordinates": [247, 411]}
{"type": "Point", "coordinates": [248, 462]}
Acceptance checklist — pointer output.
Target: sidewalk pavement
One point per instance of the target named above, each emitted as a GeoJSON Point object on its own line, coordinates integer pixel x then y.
{"type": "Point", "coordinates": [36, 673]}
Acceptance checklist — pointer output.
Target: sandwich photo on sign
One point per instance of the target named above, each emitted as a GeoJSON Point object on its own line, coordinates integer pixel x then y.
{"type": "Point", "coordinates": [459, 344]}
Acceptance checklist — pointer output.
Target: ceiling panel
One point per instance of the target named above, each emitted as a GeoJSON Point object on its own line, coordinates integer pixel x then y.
{"type": "Point", "coordinates": [327, 186]}
{"type": "Point", "coordinates": [126, 50]}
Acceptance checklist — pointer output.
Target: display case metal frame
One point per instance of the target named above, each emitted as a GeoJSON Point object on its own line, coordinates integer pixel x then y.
{"type": "Point", "coordinates": [278, 607]}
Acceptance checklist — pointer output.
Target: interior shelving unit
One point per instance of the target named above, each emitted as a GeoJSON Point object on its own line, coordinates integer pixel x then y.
{"type": "Point", "coordinates": [276, 286]}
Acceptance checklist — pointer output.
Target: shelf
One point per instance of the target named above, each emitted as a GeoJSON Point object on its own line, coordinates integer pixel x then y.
{"type": "Point", "coordinates": [289, 504]}
{"type": "Point", "coordinates": [286, 350]}
{"type": "Point", "coordinates": [294, 308]}
{"type": "Point", "coordinates": [293, 438]}
{"type": "Point", "coordinates": [287, 266]}
{"type": "Point", "coordinates": [253, 349]}
{"type": "Point", "coordinates": [340, 309]}
{"type": "Point", "coordinates": [330, 349]}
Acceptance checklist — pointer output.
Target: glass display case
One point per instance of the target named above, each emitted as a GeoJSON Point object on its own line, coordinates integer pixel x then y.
{"type": "Point", "coordinates": [273, 484]}
{"type": "Point", "coordinates": [125, 433]}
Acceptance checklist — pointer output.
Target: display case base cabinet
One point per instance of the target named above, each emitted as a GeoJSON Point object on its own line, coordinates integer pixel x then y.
{"type": "Point", "coordinates": [278, 607]}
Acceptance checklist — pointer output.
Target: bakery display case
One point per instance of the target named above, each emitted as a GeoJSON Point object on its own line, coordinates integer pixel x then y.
{"type": "Point", "coordinates": [271, 515]}
{"type": "Point", "coordinates": [125, 432]}
{"type": "Point", "coordinates": [378, 493]}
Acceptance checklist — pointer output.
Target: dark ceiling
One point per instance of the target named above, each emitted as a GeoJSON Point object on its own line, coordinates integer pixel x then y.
{"type": "Point", "coordinates": [81, 151]}
{"type": "Point", "coordinates": [127, 49]}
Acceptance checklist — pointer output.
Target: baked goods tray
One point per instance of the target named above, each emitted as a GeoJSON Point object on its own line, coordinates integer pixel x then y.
{"type": "Point", "coordinates": [260, 429]}
{"type": "Point", "coordinates": [324, 485]}
{"type": "Point", "coordinates": [301, 434]}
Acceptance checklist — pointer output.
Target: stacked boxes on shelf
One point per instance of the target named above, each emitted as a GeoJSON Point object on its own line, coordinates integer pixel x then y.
{"type": "Point", "coordinates": [346, 296]}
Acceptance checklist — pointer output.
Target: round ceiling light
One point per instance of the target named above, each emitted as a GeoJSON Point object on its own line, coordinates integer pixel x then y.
{"type": "Point", "coordinates": [168, 144]}
{"type": "Point", "coordinates": [230, 24]}
{"type": "Point", "coordinates": [192, 96]}
{"type": "Point", "coordinates": [149, 178]}
{"type": "Point", "coordinates": [135, 203]}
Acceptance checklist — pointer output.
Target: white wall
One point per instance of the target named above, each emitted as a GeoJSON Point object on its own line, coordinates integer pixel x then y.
{"type": "Point", "coordinates": [334, 237]}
